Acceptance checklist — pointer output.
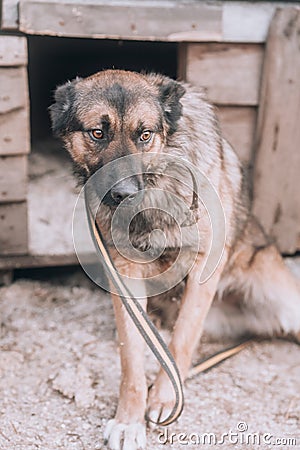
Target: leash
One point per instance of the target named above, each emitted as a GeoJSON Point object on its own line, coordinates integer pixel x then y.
{"type": "Point", "coordinates": [140, 318]}
{"type": "Point", "coordinates": [145, 325]}
{"type": "Point", "coordinates": [217, 358]}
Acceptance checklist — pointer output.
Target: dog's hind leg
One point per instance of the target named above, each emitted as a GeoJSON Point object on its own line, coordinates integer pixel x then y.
{"type": "Point", "coordinates": [196, 302]}
{"type": "Point", "coordinates": [127, 430]}
{"type": "Point", "coordinates": [274, 294]}
{"type": "Point", "coordinates": [269, 303]}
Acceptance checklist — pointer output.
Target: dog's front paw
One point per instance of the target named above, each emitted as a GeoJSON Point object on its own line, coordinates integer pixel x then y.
{"type": "Point", "coordinates": [119, 436]}
{"type": "Point", "coordinates": [161, 400]}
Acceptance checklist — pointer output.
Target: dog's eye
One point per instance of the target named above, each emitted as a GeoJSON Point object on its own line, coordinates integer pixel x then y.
{"type": "Point", "coordinates": [146, 136]}
{"type": "Point", "coordinates": [96, 134]}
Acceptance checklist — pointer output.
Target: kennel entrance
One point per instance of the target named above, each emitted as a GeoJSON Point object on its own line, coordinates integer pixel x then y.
{"type": "Point", "coordinates": [43, 189]}
{"type": "Point", "coordinates": [219, 45]}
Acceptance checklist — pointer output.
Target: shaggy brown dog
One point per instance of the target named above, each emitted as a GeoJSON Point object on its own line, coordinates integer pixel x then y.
{"type": "Point", "coordinates": [117, 113]}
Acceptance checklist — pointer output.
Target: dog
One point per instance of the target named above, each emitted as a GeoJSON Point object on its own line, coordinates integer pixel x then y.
{"type": "Point", "coordinates": [106, 117]}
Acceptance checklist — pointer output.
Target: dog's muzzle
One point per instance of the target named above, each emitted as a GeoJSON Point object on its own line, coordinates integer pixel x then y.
{"type": "Point", "coordinates": [128, 191]}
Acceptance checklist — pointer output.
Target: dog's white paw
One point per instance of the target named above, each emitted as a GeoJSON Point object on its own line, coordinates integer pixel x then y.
{"type": "Point", "coordinates": [161, 400]}
{"type": "Point", "coordinates": [119, 436]}
{"type": "Point", "coordinates": [158, 413]}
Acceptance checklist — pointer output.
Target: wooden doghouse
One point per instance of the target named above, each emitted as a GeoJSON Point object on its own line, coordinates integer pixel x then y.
{"type": "Point", "coordinates": [245, 54]}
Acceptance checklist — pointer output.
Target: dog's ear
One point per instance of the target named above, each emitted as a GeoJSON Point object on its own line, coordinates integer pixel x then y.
{"type": "Point", "coordinates": [62, 111]}
{"type": "Point", "coordinates": [170, 93]}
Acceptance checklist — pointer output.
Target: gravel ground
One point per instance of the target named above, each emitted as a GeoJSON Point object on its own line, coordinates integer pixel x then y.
{"type": "Point", "coordinates": [59, 373]}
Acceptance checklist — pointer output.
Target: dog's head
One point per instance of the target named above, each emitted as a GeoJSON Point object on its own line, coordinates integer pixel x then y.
{"type": "Point", "coordinates": [113, 114]}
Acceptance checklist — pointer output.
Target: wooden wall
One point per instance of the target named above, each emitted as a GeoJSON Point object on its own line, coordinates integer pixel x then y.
{"type": "Point", "coordinates": [14, 145]}
{"type": "Point", "coordinates": [222, 46]}
{"type": "Point", "coordinates": [231, 75]}
{"type": "Point", "coordinates": [256, 90]}
{"type": "Point", "coordinates": [276, 180]}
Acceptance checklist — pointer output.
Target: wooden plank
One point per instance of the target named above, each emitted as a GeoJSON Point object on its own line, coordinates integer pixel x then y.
{"type": "Point", "coordinates": [13, 89]}
{"type": "Point", "coordinates": [181, 60]}
{"type": "Point", "coordinates": [9, 14]}
{"type": "Point", "coordinates": [15, 132]}
{"type": "Point", "coordinates": [13, 229]}
{"type": "Point", "coordinates": [248, 21]}
{"type": "Point", "coordinates": [238, 126]}
{"type": "Point", "coordinates": [277, 163]}
{"type": "Point", "coordinates": [241, 21]}
{"type": "Point", "coordinates": [229, 72]}
{"type": "Point", "coordinates": [150, 20]}
{"type": "Point", "coordinates": [13, 51]}
{"type": "Point", "coordinates": [13, 178]}
{"type": "Point", "coordinates": [26, 261]}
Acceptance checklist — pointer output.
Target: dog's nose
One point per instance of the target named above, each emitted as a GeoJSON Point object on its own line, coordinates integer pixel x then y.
{"type": "Point", "coordinates": [125, 189]}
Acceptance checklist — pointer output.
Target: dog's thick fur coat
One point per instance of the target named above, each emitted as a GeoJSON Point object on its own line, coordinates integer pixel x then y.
{"type": "Point", "coordinates": [116, 113]}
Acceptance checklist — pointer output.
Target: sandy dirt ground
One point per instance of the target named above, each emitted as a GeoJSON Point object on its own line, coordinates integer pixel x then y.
{"type": "Point", "coordinates": [59, 374]}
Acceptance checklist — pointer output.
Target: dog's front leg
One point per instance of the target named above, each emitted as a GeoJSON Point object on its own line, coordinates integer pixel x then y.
{"type": "Point", "coordinates": [127, 430]}
{"type": "Point", "coordinates": [196, 303]}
